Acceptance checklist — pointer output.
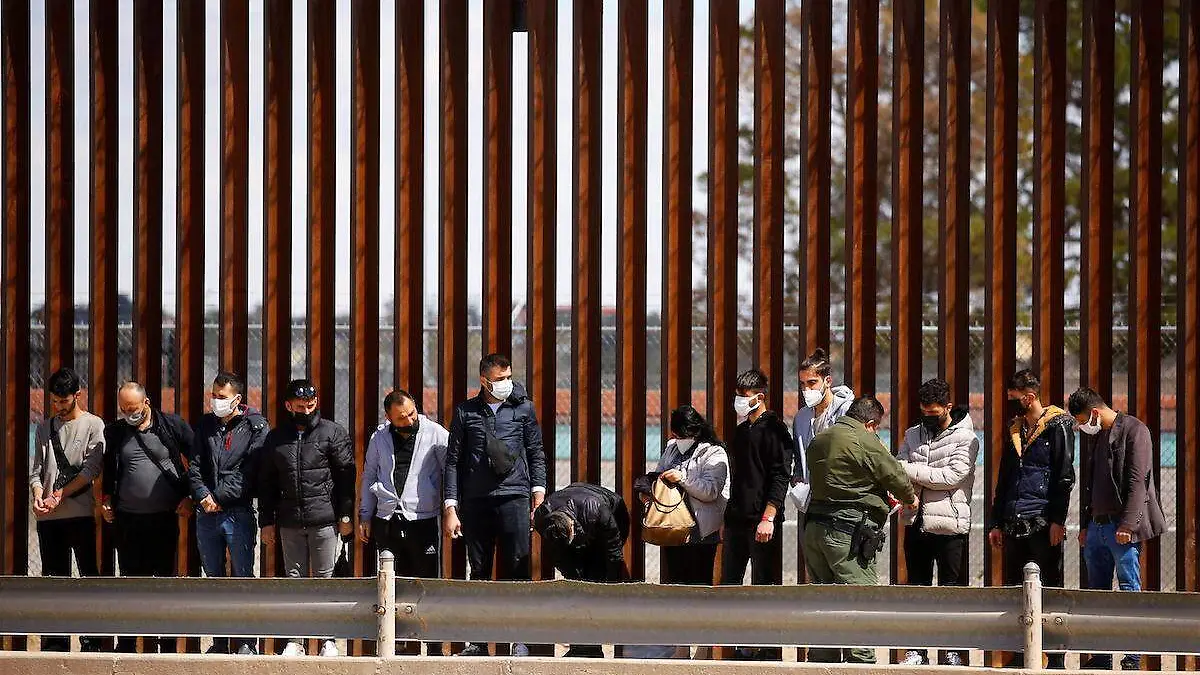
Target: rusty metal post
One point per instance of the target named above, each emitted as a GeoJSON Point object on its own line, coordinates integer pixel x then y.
{"type": "Point", "coordinates": [321, 364]}
{"type": "Point", "coordinates": [14, 294]}
{"type": "Point", "coordinates": [908, 130]}
{"type": "Point", "coordinates": [59, 309]}
{"type": "Point", "coordinates": [409, 301]}
{"type": "Point", "coordinates": [724, 37]}
{"type": "Point", "coordinates": [1049, 204]}
{"type": "Point", "coordinates": [497, 177]}
{"type": "Point", "coordinates": [586, 222]}
{"type": "Point", "coordinates": [1000, 249]}
{"type": "Point", "coordinates": [102, 291]}
{"type": "Point", "coordinates": [189, 312]}
{"type": "Point", "coordinates": [147, 197]}
{"type": "Point", "coordinates": [1145, 326]}
{"type": "Point", "coordinates": [862, 214]}
{"type": "Point", "coordinates": [452, 311]}
{"type": "Point", "coordinates": [235, 167]}
{"type": "Point", "coordinates": [542, 307]}
{"type": "Point", "coordinates": [770, 69]}
{"type": "Point", "coordinates": [364, 254]}
{"type": "Point", "coordinates": [1187, 339]}
{"type": "Point", "coordinates": [954, 202]}
{"type": "Point", "coordinates": [632, 45]}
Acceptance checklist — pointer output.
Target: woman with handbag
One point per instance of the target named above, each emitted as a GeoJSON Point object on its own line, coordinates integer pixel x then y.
{"type": "Point", "coordinates": [695, 466]}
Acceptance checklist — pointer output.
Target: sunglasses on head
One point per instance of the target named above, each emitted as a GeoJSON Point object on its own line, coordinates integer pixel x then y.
{"type": "Point", "coordinates": [304, 392]}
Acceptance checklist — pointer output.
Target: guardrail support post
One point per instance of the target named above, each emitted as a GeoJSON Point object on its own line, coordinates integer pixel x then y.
{"type": "Point", "coordinates": [1031, 619]}
{"type": "Point", "coordinates": [385, 608]}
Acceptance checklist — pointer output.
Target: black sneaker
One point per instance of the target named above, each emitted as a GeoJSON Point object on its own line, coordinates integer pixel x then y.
{"type": "Point", "coordinates": [1131, 663]}
{"type": "Point", "coordinates": [474, 649]}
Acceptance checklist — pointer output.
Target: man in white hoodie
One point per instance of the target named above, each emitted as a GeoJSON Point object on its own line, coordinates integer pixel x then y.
{"type": "Point", "coordinates": [822, 404]}
{"type": "Point", "coordinates": [939, 457]}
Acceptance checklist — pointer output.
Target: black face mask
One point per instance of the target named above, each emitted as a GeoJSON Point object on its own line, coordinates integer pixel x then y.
{"type": "Point", "coordinates": [408, 430]}
{"type": "Point", "coordinates": [305, 420]}
{"type": "Point", "coordinates": [933, 423]}
{"type": "Point", "coordinates": [1017, 408]}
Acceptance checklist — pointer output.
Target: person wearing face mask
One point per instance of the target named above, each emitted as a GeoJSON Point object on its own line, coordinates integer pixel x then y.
{"type": "Point", "coordinates": [759, 471]}
{"type": "Point", "coordinates": [145, 492]}
{"type": "Point", "coordinates": [1033, 488]}
{"type": "Point", "coordinates": [939, 457]}
{"type": "Point", "coordinates": [68, 455]}
{"type": "Point", "coordinates": [852, 476]}
{"type": "Point", "coordinates": [822, 404]}
{"type": "Point", "coordinates": [306, 491]}
{"type": "Point", "coordinates": [1119, 503]}
{"type": "Point", "coordinates": [223, 473]}
{"type": "Point", "coordinates": [495, 478]}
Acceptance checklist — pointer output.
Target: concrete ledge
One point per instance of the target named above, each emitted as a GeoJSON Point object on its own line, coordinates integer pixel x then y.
{"type": "Point", "coordinates": [23, 663]}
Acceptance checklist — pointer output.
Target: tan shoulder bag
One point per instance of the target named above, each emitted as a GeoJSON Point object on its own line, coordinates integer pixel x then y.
{"type": "Point", "coordinates": [668, 520]}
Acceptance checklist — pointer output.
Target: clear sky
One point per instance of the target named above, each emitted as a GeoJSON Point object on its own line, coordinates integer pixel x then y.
{"type": "Point", "coordinates": [387, 148]}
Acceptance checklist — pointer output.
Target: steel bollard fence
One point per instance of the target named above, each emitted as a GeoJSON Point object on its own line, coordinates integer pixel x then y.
{"type": "Point", "coordinates": [386, 607]}
{"type": "Point", "coordinates": [1031, 618]}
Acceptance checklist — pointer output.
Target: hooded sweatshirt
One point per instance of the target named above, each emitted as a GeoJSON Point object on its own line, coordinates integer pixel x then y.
{"type": "Point", "coordinates": [759, 471]}
{"type": "Point", "coordinates": [807, 424]}
{"type": "Point", "coordinates": [941, 467]}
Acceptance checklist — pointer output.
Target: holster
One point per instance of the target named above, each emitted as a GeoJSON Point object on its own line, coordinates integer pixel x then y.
{"type": "Point", "coordinates": [867, 540]}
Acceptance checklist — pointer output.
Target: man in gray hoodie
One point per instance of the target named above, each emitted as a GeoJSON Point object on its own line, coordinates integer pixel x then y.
{"type": "Point", "coordinates": [822, 404]}
{"type": "Point", "coordinates": [939, 457]}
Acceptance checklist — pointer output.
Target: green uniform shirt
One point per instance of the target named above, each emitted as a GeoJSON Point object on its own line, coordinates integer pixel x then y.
{"type": "Point", "coordinates": [850, 468]}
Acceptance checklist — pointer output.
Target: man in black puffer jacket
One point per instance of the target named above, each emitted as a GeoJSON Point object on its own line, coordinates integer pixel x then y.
{"type": "Point", "coordinates": [495, 477]}
{"type": "Point", "coordinates": [306, 490]}
{"type": "Point", "coordinates": [1033, 488]}
{"type": "Point", "coordinates": [223, 475]}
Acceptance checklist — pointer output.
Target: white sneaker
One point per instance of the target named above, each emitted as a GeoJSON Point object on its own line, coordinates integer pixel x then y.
{"type": "Point", "coordinates": [954, 659]}
{"type": "Point", "coordinates": [293, 649]}
{"type": "Point", "coordinates": [913, 658]}
{"type": "Point", "coordinates": [329, 648]}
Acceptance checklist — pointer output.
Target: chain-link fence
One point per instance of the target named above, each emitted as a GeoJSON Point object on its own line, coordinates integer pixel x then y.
{"type": "Point", "coordinates": [562, 435]}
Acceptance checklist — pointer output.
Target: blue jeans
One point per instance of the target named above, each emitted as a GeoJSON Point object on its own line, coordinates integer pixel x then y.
{"type": "Point", "coordinates": [1103, 555]}
{"type": "Point", "coordinates": [235, 531]}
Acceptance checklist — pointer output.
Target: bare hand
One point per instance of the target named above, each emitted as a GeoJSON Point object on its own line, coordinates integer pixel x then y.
{"type": "Point", "coordinates": [672, 476]}
{"type": "Point", "coordinates": [1082, 537]}
{"type": "Point", "coordinates": [1124, 536]}
{"type": "Point", "coordinates": [450, 523]}
{"type": "Point", "coordinates": [995, 537]}
{"type": "Point", "coordinates": [764, 532]}
{"type": "Point", "coordinates": [209, 504]}
{"type": "Point", "coordinates": [535, 501]}
{"type": "Point", "coordinates": [364, 531]}
{"type": "Point", "coordinates": [106, 512]}
{"type": "Point", "coordinates": [39, 506]}
{"type": "Point", "coordinates": [268, 535]}
{"type": "Point", "coordinates": [1058, 534]}
{"type": "Point", "coordinates": [345, 529]}
{"type": "Point", "coordinates": [185, 507]}
{"type": "Point", "coordinates": [914, 504]}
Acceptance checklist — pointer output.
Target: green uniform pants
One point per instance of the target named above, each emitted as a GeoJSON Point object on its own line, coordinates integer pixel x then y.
{"type": "Point", "coordinates": [829, 561]}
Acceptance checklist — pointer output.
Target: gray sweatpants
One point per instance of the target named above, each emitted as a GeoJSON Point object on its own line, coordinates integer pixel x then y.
{"type": "Point", "coordinates": [310, 550]}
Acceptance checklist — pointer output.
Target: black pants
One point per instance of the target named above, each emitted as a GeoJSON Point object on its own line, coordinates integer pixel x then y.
{"type": "Point", "coordinates": [1035, 548]}
{"type": "Point", "coordinates": [765, 560]}
{"type": "Point", "coordinates": [491, 522]}
{"type": "Point", "coordinates": [415, 544]}
{"type": "Point", "coordinates": [922, 551]}
{"type": "Point", "coordinates": [146, 545]}
{"type": "Point", "coordinates": [690, 565]}
{"type": "Point", "coordinates": [57, 540]}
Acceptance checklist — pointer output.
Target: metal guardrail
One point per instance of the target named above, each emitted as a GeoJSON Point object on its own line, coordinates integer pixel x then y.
{"type": "Point", "coordinates": [1012, 619]}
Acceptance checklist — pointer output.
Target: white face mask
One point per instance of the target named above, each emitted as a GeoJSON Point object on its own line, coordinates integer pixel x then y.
{"type": "Point", "coordinates": [813, 396]}
{"type": "Point", "coordinates": [685, 444]}
{"type": "Point", "coordinates": [501, 389]}
{"type": "Point", "coordinates": [1089, 428]}
{"type": "Point", "coordinates": [742, 405]}
{"type": "Point", "coordinates": [224, 407]}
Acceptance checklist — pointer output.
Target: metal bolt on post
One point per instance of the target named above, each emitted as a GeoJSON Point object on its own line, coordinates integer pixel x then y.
{"type": "Point", "coordinates": [1031, 618]}
{"type": "Point", "coordinates": [385, 609]}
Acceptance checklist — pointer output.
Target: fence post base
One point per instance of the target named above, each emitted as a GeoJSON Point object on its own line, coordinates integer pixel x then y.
{"type": "Point", "coordinates": [1031, 617]}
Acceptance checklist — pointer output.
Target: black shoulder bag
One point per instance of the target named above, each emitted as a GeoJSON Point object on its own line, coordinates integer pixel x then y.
{"type": "Point", "coordinates": [164, 464]}
{"type": "Point", "coordinates": [66, 470]}
{"type": "Point", "coordinates": [500, 456]}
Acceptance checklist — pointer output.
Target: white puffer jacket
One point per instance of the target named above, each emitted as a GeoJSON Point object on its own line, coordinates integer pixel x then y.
{"type": "Point", "coordinates": [942, 468]}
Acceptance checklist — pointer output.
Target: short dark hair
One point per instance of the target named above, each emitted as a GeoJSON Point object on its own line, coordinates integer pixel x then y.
{"type": "Point", "coordinates": [494, 360]}
{"type": "Point", "coordinates": [64, 382]}
{"type": "Point", "coordinates": [558, 528]}
{"type": "Point", "coordinates": [753, 380]}
{"type": "Point", "coordinates": [818, 362]}
{"type": "Point", "coordinates": [866, 409]}
{"type": "Point", "coordinates": [1084, 398]}
{"type": "Point", "coordinates": [1025, 380]}
{"type": "Point", "coordinates": [396, 397]}
{"type": "Point", "coordinates": [934, 391]}
{"type": "Point", "coordinates": [302, 388]}
{"type": "Point", "coordinates": [227, 378]}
